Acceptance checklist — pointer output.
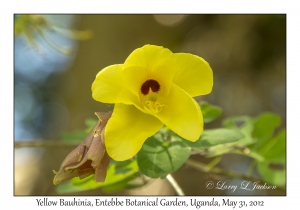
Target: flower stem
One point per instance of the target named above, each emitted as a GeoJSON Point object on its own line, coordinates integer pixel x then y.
{"type": "Point", "coordinates": [175, 185]}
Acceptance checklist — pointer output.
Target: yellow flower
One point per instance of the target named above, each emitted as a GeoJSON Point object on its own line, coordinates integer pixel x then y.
{"type": "Point", "coordinates": [152, 88]}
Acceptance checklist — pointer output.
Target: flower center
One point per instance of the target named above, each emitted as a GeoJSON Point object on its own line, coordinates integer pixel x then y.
{"type": "Point", "coordinates": [153, 107]}
{"type": "Point", "coordinates": [153, 84]}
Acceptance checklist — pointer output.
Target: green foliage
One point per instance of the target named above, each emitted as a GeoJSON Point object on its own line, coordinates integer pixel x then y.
{"type": "Point", "coordinates": [158, 157]}
{"type": "Point", "coordinates": [119, 175]}
{"type": "Point", "coordinates": [117, 172]}
{"type": "Point", "coordinates": [74, 136]}
{"type": "Point", "coordinates": [267, 151]}
{"type": "Point", "coordinates": [245, 125]}
{"type": "Point", "coordinates": [273, 149]}
{"type": "Point", "coordinates": [214, 137]}
{"type": "Point", "coordinates": [166, 152]}
{"type": "Point", "coordinates": [90, 123]}
{"type": "Point", "coordinates": [242, 124]}
{"type": "Point", "coordinates": [271, 174]}
{"type": "Point", "coordinates": [264, 128]}
{"type": "Point", "coordinates": [210, 112]}
{"type": "Point", "coordinates": [68, 187]}
{"type": "Point", "coordinates": [80, 134]}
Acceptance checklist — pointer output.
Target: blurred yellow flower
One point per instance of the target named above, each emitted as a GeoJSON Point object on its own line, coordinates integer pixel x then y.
{"type": "Point", "coordinates": [152, 88]}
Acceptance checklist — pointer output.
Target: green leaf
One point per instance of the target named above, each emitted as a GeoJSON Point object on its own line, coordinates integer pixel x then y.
{"type": "Point", "coordinates": [272, 176]}
{"type": "Point", "coordinates": [76, 135]}
{"type": "Point", "coordinates": [127, 183]}
{"type": "Point", "coordinates": [124, 184]}
{"type": "Point", "coordinates": [212, 137]}
{"type": "Point", "coordinates": [80, 134]}
{"type": "Point", "coordinates": [251, 154]}
{"type": "Point", "coordinates": [274, 150]}
{"type": "Point", "coordinates": [210, 112]}
{"type": "Point", "coordinates": [236, 122]}
{"type": "Point", "coordinates": [90, 122]}
{"type": "Point", "coordinates": [158, 158]}
{"type": "Point", "coordinates": [264, 127]}
{"type": "Point", "coordinates": [219, 150]}
{"type": "Point", "coordinates": [245, 125]}
{"type": "Point", "coordinates": [67, 187]}
{"type": "Point", "coordinates": [241, 124]}
{"type": "Point", "coordinates": [117, 172]}
{"type": "Point", "coordinates": [247, 131]}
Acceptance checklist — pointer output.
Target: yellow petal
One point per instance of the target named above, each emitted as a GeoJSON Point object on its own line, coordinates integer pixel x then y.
{"type": "Point", "coordinates": [108, 87]}
{"type": "Point", "coordinates": [181, 114]}
{"type": "Point", "coordinates": [149, 62]}
{"type": "Point", "coordinates": [127, 130]}
{"type": "Point", "coordinates": [193, 74]}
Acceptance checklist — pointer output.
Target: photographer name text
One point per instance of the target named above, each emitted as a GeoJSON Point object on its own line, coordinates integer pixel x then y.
{"type": "Point", "coordinates": [245, 185]}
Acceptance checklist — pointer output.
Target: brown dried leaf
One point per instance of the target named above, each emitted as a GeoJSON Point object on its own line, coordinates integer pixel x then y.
{"type": "Point", "coordinates": [89, 157]}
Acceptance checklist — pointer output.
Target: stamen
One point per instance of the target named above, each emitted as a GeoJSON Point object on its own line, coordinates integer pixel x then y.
{"type": "Point", "coordinates": [153, 84]}
{"type": "Point", "coordinates": [153, 107]}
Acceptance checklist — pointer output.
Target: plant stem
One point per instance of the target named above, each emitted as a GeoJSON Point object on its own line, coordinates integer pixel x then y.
{"type": "Point", "coordinates": [213, 163]}
{"type": "Point", "coordinates": [251, 168]}
{"type": "Point", "coordinates": [175, 185]}
{"type": "Point", "coordinates": [192, 163]}
{"type": "Point", "coordinates": [46, 143]}
{"type": "Point", "coordinates": [202, 167]}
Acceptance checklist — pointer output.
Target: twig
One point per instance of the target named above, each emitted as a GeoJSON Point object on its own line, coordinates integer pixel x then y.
{"type": "Point", "coordinates": [46, 143]}
{"type": "Point", "coordinates": [202, 167]}
{"type": "Point", "coordinates": [213, 163]}
{"type": "Point", "coordinates": [175, 185]}
{"type": "Point", "coordinates": [251, 168]}
{"type": "Point", "coordinates": [192, 163]}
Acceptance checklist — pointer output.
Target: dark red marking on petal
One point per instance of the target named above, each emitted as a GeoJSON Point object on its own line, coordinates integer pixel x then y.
{"type": "Point", "coordinates": [153, 84]}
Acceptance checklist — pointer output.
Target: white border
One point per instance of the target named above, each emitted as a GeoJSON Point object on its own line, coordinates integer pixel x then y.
{"type": "Point", "coordinates": [8, 201]}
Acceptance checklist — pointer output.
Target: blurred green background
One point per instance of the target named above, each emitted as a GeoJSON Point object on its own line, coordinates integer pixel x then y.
{"type": "Point", "coordinates": [52, 89]}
